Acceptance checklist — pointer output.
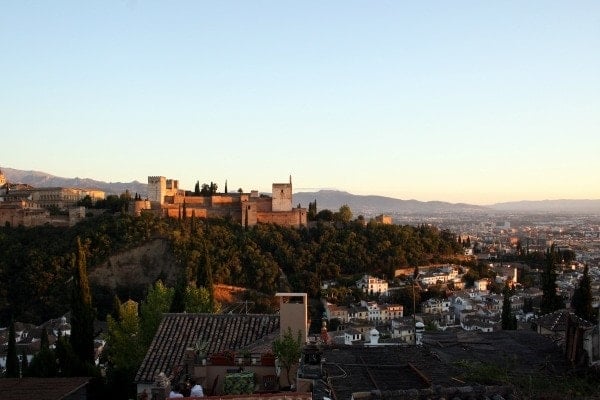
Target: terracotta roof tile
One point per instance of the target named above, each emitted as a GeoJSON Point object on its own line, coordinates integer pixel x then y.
{"type": "Point", "coordinates": [40, 388]}
{"type": "Point", "coordinates": [222, 332]}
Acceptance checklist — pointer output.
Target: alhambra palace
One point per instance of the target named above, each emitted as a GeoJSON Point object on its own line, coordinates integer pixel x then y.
{"type": "Point", "coordinates": [166, 198]}
{"type": "Point", "coordinates": [28, 206]}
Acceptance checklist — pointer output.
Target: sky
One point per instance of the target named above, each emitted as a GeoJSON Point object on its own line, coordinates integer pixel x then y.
{"type": "Point", "coordinates": [461, 101]}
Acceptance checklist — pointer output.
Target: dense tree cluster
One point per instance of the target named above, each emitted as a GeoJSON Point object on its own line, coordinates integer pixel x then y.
{"type": "Point", "coordinates": [270, 257]}
{"type": "Point", "coordinates": [36, 263]}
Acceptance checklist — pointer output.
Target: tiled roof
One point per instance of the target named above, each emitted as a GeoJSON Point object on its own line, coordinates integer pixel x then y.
{"type": "Point", "coordinates": [557, 321]}
{"type": "Point", "coordinates": [40, 388]}
{"type": "Point", "coordinates": [526, 351]}
{"type": "Point", "coordinates": [386, 368]}
{"type": "Point", "coordinates": [222, 332]}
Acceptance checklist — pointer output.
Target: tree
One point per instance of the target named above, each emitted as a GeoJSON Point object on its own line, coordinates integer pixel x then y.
{"type": "Point", "coordinates": [68, 362]}
{"type": "Point", "coordinates": [12, 361]}
{"type": "Point", "coordinates": [198, 300]}
{"type": "Point", "coordinates": [197, 188]}
{"type": "Point", "coordinates": [82, 313]}
{"type": "Point", "coordinates": [43, 364]}
{"type": "Point", "coordinates": [325, 215]}
{"type": "Point", "coordinates": [582, 298]}
{"type": "Point", "coordinates": [509, 321]}
{"type": "Point", "coordinates": [205, 190]}
{"type": "Point", "coordinates": [24, 362]}
{"type": "Point", "coordinates": [288, 350]}
{"type": "Point", "coordinates": [125, 350]}
{"type": "Point", "coordinates": [178, 303]}
{"type": "Point", "coordinates": [312, 211]}
{"type": "Point", "coordinates": [551, 301]}
{"type": "Point", "coordinates": [158, 301]}
{"type": "Point", "coordinates": [344, 214]}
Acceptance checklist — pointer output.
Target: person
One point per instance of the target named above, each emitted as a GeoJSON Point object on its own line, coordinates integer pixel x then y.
{"type": "Point", "coordinates": [196, 390]}
{"type": "Point", "coordinates": [175, 391]}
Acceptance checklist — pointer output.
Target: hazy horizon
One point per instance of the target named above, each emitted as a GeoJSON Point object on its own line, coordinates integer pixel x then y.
{"type": "Point", "coordinates": [300, 190]}
{"type": "Point", "coordinates": [464, 102]}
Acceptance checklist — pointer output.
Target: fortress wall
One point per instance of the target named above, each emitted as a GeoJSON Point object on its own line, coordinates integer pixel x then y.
{"type": "Point", "coordinates": [223, 200]}
{"type": "Point", "coordinates": [262, 204]}
{"type": "Point", "coordinates": [296, 217]}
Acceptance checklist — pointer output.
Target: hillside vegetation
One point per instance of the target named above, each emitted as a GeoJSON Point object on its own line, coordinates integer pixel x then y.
{"type": "Point", "coordinates": [126, 254]}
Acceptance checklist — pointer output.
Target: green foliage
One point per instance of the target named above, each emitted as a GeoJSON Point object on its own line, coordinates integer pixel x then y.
{"type": "Point", "coordinates": [157, 302]}
{"type": "Point", "coordinates": [288, 350]}
{"type": "Point", "coordinates": [509, 321]}
{"type": "Point", "coordinates": [582, 298]}
{"type": "Point", "coordinates": [312, 211]}
{"type": "Point", "coordinates": [551, 301]}
{"type": "Point", "coordinates": [125, 350]}
{"type": "Point", "coordinates": [344, 214]}
{"type": "Point", "coordinates": [197, 300]}
{"type": "Point", "coordinates": [82, 313]}
{"type": "Point", "coordinates": [35, 263]}
{"type": "Point", "coordinates": [44, 363]}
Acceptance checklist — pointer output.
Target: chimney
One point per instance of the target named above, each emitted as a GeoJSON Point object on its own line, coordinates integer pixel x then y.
{"type": "Point", "coordinates": [374, 333]}
{"type": "Point", "coordinates": [293, 313]}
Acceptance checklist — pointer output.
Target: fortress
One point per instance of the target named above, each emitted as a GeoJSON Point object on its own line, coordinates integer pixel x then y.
{"type": "Point", "coordinates": [248, 209]}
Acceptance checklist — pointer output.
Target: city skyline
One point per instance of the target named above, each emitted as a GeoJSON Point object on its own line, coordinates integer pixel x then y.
{"type": "Point", "coordinates": [462, 102]}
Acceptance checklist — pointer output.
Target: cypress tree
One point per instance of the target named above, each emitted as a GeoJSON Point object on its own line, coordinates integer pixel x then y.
{"type": "Point", "coordinates": [82, 313]}
{"type": "Point", "coordinates": [582, 298]}
{"type": "Point", "coordinates": [508, 319]}
{"type": "Point", "coordinates": [178, 303]}
{"type": "Point", "coordinates": [551, 301]}
{"type": "Point", "coordinates": [24, 362]}
{"type": "Point", "coordinates": [44, 363]}
{"type": "Point", "coordinates": [12, 361]}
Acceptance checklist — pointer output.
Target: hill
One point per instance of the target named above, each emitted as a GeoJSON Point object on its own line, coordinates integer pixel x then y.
{"type": "Point", "coordinates": [43, 179]}
{"type": "Point", "coordinates": [367, 205]}
{"type": "Point", "coordinates": [373, 205]}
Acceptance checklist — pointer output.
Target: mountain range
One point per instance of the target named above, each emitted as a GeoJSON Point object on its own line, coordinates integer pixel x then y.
{"type": "Point", "coordinates": [367, 205]}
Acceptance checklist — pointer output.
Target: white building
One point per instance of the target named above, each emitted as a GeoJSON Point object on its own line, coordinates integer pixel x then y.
{"type": "Point", "coordinates": [372, 285]}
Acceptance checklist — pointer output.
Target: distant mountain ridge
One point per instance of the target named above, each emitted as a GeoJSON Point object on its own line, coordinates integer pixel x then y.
{"type": "Point", "coordinates": [367, 205]}
{"type": "Point", "coordinates": [43, 179]}
{"type": "Point", "coordinates": [370, 205]}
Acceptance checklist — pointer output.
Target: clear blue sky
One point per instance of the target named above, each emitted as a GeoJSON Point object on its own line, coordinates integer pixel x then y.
{"type": "Point", "coordinates": [458, 101]}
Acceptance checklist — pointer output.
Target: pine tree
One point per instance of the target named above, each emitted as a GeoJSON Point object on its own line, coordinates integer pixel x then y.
{"type": "Point", "coordinates": [225, 186]}
{"type": "Point", "coordinates": [582, 298]}
{"type": "Point", "coordinates": [197, 188]}
{"type": "Point", "coordinates": [82, 313]}
{"type": "Point", "coordinates": [12, 361]}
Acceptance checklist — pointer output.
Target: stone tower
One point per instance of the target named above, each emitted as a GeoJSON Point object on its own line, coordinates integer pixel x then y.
{"type": "Point", "coordinates": [157, 189]}
{"type": "Point", "coordinates": [282, 196]}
